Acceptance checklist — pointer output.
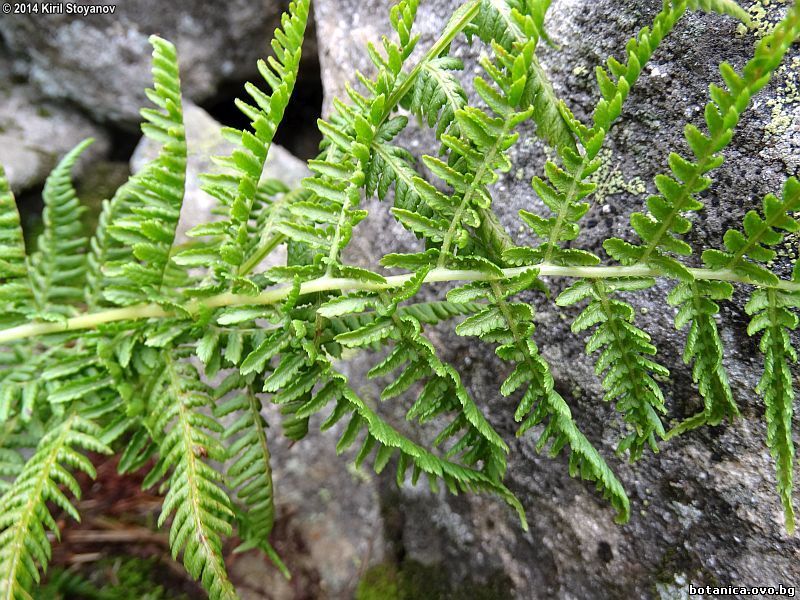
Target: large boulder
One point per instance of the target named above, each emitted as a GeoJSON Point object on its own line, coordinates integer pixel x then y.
{"type": "Point", "coordinates": [36, 133]}
{"type": "Point", "coordinates": [102, 62]}
{"type": "Point", "coordinates": [705, 509]}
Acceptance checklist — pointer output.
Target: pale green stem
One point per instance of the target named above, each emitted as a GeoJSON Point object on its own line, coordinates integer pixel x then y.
{"type": "Point", "coordinates": [330, 284]}
{"type": "Point", "coordinates": [269, 244]}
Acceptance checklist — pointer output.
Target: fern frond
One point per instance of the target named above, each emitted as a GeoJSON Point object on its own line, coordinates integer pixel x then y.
{"type": "Point", "coordinates": [58, 266]}
{"type": "Point", "coordinates": [250, 473]}
{"type": "Point", "coordinates": [296, 368]}
{"type": "Point", "coordinates": [430, 91]}
{"type": "Point", "coordinates": [14, 439]}
{"type": "Point", "coordinates": [666, 220]}
{"type": "Point", "coordinates": [270, 208]}
{"type": "Point", "coordinates": [437, 94]}
{"type": "Point", "coordinates": [390, 167]}
{"type": "Point", "coordinates": [358, 150]}
{"type": "Point", "coordinates": [427, 313]}
{"type": "Point", "coordinates": [326, 221]}
{"type": "Point", "coordinates": [625, 358]}
{"type": "Point", "coordinates": [476, 156]}
{"type": "Point", "coordinates": [16, 296]}
{"type": "Point", "coordinates": [747, 254]}
{"type": "Point", "coordinates": [771, 316]}
{"type": "Point", "coordinates": [748, 250]}
{"type": "Point", "coordinates": [567, 186]}
{"type": "Point", "coordinates": [121, 371]}
{"type": "Point", "coordinates": [703, 350]}
{"type": "Point", "coordinates": [511, 24]}
{"type": "Point", "coordinates": [493, 22]}
{"type": "Point", "coordinates": [25, 517]}
{"type": "Point", "coordinates": [187, 442]}
{"type": "Point", "coordinates": [483, 150]}
{"type": "Point", "coordinates": [21, 385]}
{"type": "Point", "coordinates": [386, 441]}
{"type": "Point", "coordinates": [65, 370]}
{"type": "Point", "coordinates": [401, 17]}
{"type": "Point", "coordinates": [148, 225]}
{"type": "Point", "coordinates": [697, 299]}
{"type": "Point", "coordinates": [414, 359]}
{"type": "Point", "coordinates": [510, 324]}
{"type": "Point", "coordinates": [104, 248]}
{"type": "Point", "coordinates": [359, 136]}
{"type": "Point", "coordinates": [229, 248]}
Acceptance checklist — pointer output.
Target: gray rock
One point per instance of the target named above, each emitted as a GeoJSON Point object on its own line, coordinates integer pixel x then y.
{"type": "Point", "coordinates": [102, 62]}
{"type": "Point", "coordinates": [328, 528]}
{"type": "Point", "coordinates": [35, 134]}
{"type": "Point", "coordinates": [204, 140]}
{"type": "Point", "coordinates": [705, 509]}
{"type": "Point", "coordinates": [334, 507]}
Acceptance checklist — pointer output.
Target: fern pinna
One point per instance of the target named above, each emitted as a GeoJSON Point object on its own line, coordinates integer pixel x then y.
{"type": "Point", "coordinates": [110, 344]}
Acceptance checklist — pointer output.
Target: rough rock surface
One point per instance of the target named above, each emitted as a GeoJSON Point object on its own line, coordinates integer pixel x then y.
{"type": "Point", "coordinates": [704, 510]}
{"type": "Point", "coordinates": [333, 508]}
{"type": "Point", "coordinates": [35, 133]}
{"type": "Point", "coordinates": [102, 62]}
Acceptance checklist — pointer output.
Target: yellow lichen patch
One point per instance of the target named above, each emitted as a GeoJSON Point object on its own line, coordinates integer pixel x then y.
{"type": "Point", "coordinates": [787, 252]}
{"type": "Point", "coordinates": [610, 180]}
{"type": "Point", "coordinates": [763, 17]}
{"type": "Point", "coordinates": [788, 93]}
{"type": "Point", "coordinates": [580, 70]}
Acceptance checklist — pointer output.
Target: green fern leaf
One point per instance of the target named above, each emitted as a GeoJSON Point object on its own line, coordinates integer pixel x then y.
{"type": "Point", "coordinates": [59, 264]}
{"type": "Point", "coordinates": [390, 167]}
{"type": "Point", "coordinates": [187, 442]}
{"type": "Point", "coordinates": [667, 217]}
{"type": "Point", "coordinates": [148, 225]}
{"type": "Point", "coordinates": [388, 441]}
{"type": "Point", "coordinates": [567, 188]}
{"type": "Point", "coordinates": [769, 310]}
{"type": "Point", "coordinates": [437, 95]}
{"type": "Point", "coordinates": [704, 351]}
{"type": "Point", "coordinates": [13, 441]}
{"type": "Point", "coordinates": [16, 295]}
{"type": "Point", "coordinates": [250, 472]}
{"type": "Point", "coordinates": [510, 324]}
{"type": "Point", "coordinates": [624, 359]}
{"type": "Point", "coordinates": [24, 515]}
{"type": "Point", "coordinates": [508, 23]}
{"type": "Point", "coordinates": [230, 252]}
